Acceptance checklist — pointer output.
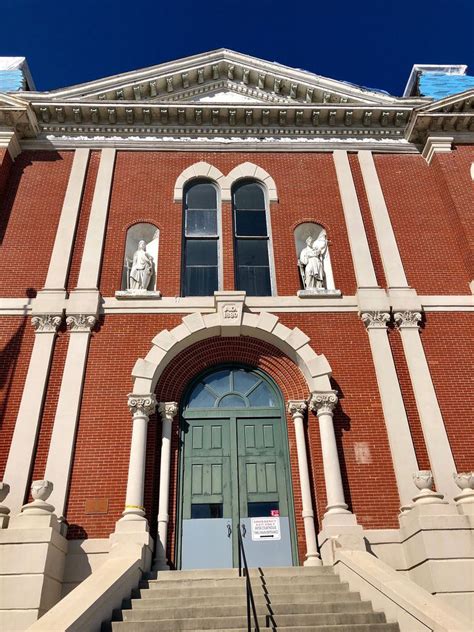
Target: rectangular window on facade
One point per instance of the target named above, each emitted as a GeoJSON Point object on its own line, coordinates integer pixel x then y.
{"type": "Point", "coordinates": [200, 244]}
{"type": "Point", "coordinates": [252, 267]}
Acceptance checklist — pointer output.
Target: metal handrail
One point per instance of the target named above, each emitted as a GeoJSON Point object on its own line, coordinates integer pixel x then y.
{"type": "Point", "coordinates": [250, 599]}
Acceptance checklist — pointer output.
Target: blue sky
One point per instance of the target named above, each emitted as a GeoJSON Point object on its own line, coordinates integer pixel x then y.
{"type": "Point", "coordinates": [368, 43]}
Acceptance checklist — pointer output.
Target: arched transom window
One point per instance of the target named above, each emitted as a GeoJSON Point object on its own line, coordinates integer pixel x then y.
{"type": "Point", "coordinates": [251, 239]}
{"type": "Point", "coordinates": [201, 240]}
{"type": "Point", "coordinates": [232, 388]}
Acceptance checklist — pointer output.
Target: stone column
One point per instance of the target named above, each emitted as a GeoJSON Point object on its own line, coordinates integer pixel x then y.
{"type": "Point", "coordinates": [297, 410]}
{"type": "Point", "coordinates": [323, 404]}
{"type": "Point", "coordinates": [434, 432]}
{"type": "Point", "coordinates": [141, 407]}
{"type": "Point", "coordinates": [23, 445]}
{"type": "Point", "coordinates": [61, 448]}
{"type": "Point", "coordinates": [167, 411]}
{"type": "Point", "coordinates": [395, 416]}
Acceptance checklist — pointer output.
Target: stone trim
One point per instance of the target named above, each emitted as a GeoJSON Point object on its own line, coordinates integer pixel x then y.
{"type": "Point", "coordinates": [198, 326]}
{"type": "Point", "coordinates": [46, 323]}
{"type": "Point", "coordinates": [249, 170]}
{"type": "Point", "coordinates": [142, 404]}
{"type": "Point", "coordinates": [375, 320]}
{"type": "Point", "coordinates": [437, 145]}
{"type": "Point", "coordinates": [407, 319]}
{"type": "Point", "coordinates": [80, 323]}
{"type": "Point", "coordinates": [197, 170]}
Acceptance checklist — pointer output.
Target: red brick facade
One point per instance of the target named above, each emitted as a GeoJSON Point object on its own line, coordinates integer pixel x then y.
{"type": "Point", "coordinates": [430, 209]}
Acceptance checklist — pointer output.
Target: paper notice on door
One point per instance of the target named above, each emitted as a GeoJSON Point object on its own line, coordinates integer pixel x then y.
{"type": "Point", "coordinates": [265, 529]}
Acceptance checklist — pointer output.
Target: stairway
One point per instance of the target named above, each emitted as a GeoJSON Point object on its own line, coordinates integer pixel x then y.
{"type": "Point", "coordinates": [293, 599]}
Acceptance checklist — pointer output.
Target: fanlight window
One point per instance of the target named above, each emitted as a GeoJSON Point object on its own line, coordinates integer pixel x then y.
{"type": "Point", "coordinates": [201, 237]}
{"type": "Point", "coordinates": [232, 388]}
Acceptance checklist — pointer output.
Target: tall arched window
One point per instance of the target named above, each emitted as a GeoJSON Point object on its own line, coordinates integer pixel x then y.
{"type": "Point", "coordinates": [201, 240]}
{"type": "Point", "coordinates": [251, 239]}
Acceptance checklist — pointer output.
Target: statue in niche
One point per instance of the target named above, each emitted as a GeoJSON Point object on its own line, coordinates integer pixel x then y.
{"type": "Point", "coordinates": [311, 262]}
{"type": "Point", "coordinates": [142, 268]}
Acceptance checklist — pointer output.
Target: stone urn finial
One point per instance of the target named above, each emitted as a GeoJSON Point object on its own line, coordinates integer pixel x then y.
{"type": "Point", "coordinates": [41, 491]}
{"type": "Point", "coordinates": [4, 490]}
{"type": "Point", "coordinates": [465, 482]}
{"type": "Point", "coordinates": [423, 480]}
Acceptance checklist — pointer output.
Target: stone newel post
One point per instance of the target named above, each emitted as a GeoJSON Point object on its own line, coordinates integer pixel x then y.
{"type": "Point", "coordinates": [141, 407]}
{"type": "Point", "coordinates": [323, 405]}
{"type": "Point", "coordinates": [167, 411]}
{"type": "Point", "coordinates": [297, 410]}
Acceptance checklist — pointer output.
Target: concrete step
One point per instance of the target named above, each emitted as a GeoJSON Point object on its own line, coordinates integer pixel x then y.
{"type": "Point", "coordinates": [215, 592]}
{"type": "Point", "coordinates": [268, 580]}
{"type": "Point", "coordinates": [213, 623]}
{"type": "Point", "coordinates": [157, 601]}
{"type": "Point", "coordinates": [361, 627]}
{"type": "Point", "coordinates": [229, 573]}
{"type": "Point", "coordinates": [240, 610]}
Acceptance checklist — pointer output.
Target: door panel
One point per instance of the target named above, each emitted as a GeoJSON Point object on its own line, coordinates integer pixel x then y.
{"type": "Point", "coordinates": [207, 500]}
{"type": "Point", "coordinates": [235, 471]}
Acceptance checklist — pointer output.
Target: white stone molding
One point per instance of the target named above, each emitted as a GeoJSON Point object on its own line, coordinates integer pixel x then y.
{"type": "Point", "coordinates": [92, 254]}
{"type": "Point", "coordinates": [436, 145]}
{"type": "Point", "coordinates": [407, 319]}
{"type": "Point", "coordinates": [23, 444]}
{"type": "Point", "coordinates": [197, 170]}
{"type": "Point", "coordinates": [434, 431]}
{"type": "Point", "coordinates": [81, 323]}
{"type": "Point", "coordinates": [9, 140]}
{"type": "Point", "coordinates": [375, 320]}
{"type": "Point", "coordinates": [391, 260]}
{"type": "Point", "coordinates": [141, 407]}
{"type": "Point", "coordinates": [465, 482]}
{"type": "Point", "coordinates": [63, 243]}
{"type": "Point", "coordinates": [323, 403]}
{"type": "Point", "coordinates": [297, 410]}
{"type": "Point", "coordinates": [168, 411]}
{"type": "Point", "coordinates": [63, 437]}
{"type": "Point", "coordinates": [361, 258]}
{"type": "Point", "coordinates": [262, 326]}
{"type": "Point", "coordinates": [253, 171]}
{"type": "Point", "coordinates": [46, 323]}
{"type": "Point", "coordinates": [394, 412]}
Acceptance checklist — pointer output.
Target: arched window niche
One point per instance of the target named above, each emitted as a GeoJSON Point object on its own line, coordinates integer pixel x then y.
{"type": "Point", "coordinates": [314, 261]}
{"type": "Point", "coordinates": [139, 272]}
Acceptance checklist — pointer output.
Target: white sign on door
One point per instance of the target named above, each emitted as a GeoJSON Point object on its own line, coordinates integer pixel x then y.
{"type": "Point", "coordinates": [265, 528]}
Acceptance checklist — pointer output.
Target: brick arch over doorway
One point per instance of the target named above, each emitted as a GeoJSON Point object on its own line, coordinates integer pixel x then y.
{"type": "Point", "coordinates": [214, 351]}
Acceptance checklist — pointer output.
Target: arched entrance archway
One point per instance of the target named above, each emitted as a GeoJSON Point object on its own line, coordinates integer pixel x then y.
{"type": "Point", "coordinates": [234, 472]}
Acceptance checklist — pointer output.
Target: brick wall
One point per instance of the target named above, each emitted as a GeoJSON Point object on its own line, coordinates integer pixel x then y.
{"type": "Point", "coordinates": [423, 224]}
{"type": "Point", "coordinates": [16, 343]}
{"type": "Point", "coordinates": [29, 211]}
{"type": "Point", "coordinates": [143, 191]}
{"type": "Point", "coordinates": [448, 341]}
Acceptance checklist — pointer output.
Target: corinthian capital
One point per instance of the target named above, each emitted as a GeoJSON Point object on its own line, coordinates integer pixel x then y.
{"type": "Point", "coordinates": [323, 402]}
{"type": "Point", "coordinates": [80, 322]}
{"type": "Point", "coordinates": [297, 408]}
{"type": "Point", "coordinates": [407, 319]}
{"type": "Point", "coordinates": [142, 404]}
{"type": "Point", "coordinates": [168, 410]}
{"type": "Point", "coordinates": [46, 323]}
{"type": "Point", "coordinates": [375, 320]}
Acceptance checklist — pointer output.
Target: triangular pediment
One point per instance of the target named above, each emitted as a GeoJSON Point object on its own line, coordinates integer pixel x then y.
{"type": "Point", "coordinates": [221, 72]}
{"type": "Point", "coordinates": [462, 102]}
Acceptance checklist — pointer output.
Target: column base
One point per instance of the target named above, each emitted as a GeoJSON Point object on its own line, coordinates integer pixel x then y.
{"type": "Point", "coordinates": [133, 514]}
{"type": "Point", "coordinates": [340, 531]}
{"type": "Point", "coordinates": [313, 560]}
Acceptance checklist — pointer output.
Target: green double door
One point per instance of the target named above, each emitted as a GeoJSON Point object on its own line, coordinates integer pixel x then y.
{"type": "Point", "coordinates": [235, 476]}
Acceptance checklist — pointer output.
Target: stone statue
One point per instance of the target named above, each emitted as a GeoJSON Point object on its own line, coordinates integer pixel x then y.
{"type": "Point", "coordinates": [142, 268]}
{"type": "Point", "coordinates": [311, 262]}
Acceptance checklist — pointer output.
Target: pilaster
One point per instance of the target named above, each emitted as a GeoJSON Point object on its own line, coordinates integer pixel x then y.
{"type": "Point", "coordinates": [434, 431]}
{"type": "Point", "coordinates": [23, 445]}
